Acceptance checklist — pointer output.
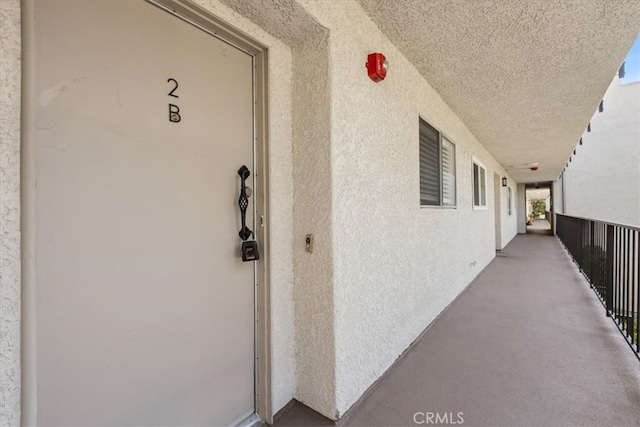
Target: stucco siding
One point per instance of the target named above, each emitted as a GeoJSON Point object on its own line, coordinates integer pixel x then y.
{"type": "Point", "coordinates": [396, 265]}
{"type": "Point", "coordinates": [10, 77]}
{"type": "Point", "coordinates": [602, 180]}
{"type": "Point", "coordinates": [313, 293]}
{"type": "Point", "coordinates": [344, 165]}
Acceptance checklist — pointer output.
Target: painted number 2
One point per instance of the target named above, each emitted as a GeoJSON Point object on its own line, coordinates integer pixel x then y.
{"type": "Point", "coordinates": [174, 110]}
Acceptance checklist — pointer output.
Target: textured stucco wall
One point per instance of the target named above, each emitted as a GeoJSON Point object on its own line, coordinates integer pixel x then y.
{"type": "Point", "coordinates": [558, 195]}
{"type": "Point", "coordinates": [558, 204]}
{"type": "Point", "coordinates": [603, 179]}
{"type": "Point", "coordinates": [315, 347]}
{"type": "Point", "coordinates": [10, 73]}
{"type": "Point", "coordinates": [396, 266]}
{"type": "Point", "coordinates": [383, 268]}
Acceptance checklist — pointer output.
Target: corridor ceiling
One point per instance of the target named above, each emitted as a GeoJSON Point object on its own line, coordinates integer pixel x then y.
{"type": "Point", "coordinates": [525, 76]}
{"type": "Point", "coordinates": [538, 194]}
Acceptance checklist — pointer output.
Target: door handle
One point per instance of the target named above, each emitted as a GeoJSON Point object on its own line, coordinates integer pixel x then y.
{"type": "Point", "coordinates": [249, 247]}
{"type": "Point", "coordinates": [243, 202]}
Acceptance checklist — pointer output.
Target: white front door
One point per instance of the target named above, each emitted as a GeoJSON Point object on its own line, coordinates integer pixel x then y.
{"type": "Point", "coordinates": [145, 310]}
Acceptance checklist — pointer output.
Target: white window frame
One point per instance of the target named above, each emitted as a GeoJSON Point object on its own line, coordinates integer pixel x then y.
{"type": "Point", "coordinates": [478, 207]}
{"type": "Point", "coordinates": [441, 137]}
{"type": "Point", "coordinates": [509, 201]}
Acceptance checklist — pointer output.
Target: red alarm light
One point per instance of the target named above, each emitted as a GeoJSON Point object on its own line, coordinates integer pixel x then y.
{"type": "Point", "coordinates": [377, 66]}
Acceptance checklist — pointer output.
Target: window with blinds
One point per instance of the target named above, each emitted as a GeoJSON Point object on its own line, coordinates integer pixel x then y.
{"type": "Point", "coordinates": [448, 172]}
{"type": "Point", "coordinates": [437, 168]}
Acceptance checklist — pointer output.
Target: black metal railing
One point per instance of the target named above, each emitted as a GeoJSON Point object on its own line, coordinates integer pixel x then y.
{"type": "Point", "coordinates": [609, 257]}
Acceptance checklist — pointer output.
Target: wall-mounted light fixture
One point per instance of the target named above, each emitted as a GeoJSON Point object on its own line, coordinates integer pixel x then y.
{"type": "Point", "coordinates": [377, 66]}
{"type": "Point", "coordinates": [504, 181]}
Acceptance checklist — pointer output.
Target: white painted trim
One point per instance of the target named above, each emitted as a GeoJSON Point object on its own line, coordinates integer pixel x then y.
{"type": "Point", "coordinates": [28, 215]}
{"type": "Point", "coordinates": [247, 420]}
{"type": "Point", "coordinates": [475, 160]}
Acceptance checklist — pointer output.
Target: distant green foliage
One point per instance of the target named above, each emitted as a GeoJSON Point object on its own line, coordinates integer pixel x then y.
{"type": "Point", "coordinates": [539, 207]}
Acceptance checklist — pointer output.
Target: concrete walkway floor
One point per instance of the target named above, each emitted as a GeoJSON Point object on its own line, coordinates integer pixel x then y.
{"type": "Point", "coordinates": [540, 226]}
{"type": "Point", "coordinates": [527, 344]}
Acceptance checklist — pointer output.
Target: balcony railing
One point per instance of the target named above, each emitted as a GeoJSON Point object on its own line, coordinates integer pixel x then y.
{"type": "Point", "coordinates": [608, 255]}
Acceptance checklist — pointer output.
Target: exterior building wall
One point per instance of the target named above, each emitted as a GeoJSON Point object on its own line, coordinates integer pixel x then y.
{"type": "Point", "coordinates": [558, 195]}
{"type": "Point", "coordinates": [602, 180]}
{"type": "Point", "coordinates": [10, 77]}
{"type": "Point", "coordinates": [344, 165]}
{"type": "Point", "coordinates": [558, 203]}
{"type": "Point", "coordinates": [313, 291]}
{"type": "Point", "coordinates": [396, 265]}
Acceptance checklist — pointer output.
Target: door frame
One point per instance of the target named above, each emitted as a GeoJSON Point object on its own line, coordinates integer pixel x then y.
{"type": "Point", "coordinates": [204, 20]}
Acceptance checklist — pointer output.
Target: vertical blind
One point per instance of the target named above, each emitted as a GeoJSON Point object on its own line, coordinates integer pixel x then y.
{"type": "Point", "coordinates": [483, 187]}
{"type": "Point", "coordinates": [448, 173]}
{"type": "Point", "coordinates": [476, 185]}
{"type": "Point", "coordinates": [429, 165]}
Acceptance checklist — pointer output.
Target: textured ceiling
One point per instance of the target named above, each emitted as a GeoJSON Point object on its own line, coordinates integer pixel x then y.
{"type": "Point", "coordinates": [525, 76]}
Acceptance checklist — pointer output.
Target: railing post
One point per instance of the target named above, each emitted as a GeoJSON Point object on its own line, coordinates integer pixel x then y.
{"type": "Point", "coordinates": [592, 254]}
{"type": "Point", "coordinates": [609, 271]}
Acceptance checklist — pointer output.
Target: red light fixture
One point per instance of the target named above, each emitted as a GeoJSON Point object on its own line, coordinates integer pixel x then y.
{"type": "Point", "coordinates": [532, 166]}
{"type": "Point", "coordinates": [377, 66]}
